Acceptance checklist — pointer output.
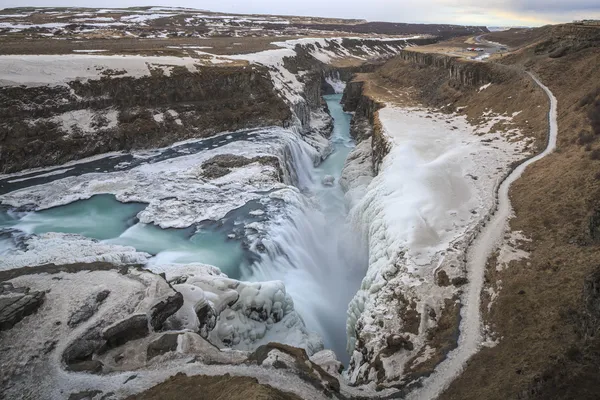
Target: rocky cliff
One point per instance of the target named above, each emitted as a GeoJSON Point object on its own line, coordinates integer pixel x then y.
{"type": "Point", "coordinates": [365, 123]}
{"type": "Point", "coordinates": [443, 84]}
{"type": "Point", "coordinates": [48, 125]}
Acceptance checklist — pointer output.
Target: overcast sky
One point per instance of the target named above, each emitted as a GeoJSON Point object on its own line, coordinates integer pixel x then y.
{"type": "Point", "coordinates": [475, 12]}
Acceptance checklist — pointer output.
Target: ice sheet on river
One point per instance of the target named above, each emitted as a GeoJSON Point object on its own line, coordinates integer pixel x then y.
{"type": "Point", "coordinates": [65, 248]}
{"type": "Point", "coordinates": [177, 192]}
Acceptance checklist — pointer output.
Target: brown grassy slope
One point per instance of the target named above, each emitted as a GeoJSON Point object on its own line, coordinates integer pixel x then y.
{"type": "Point", "coordinates": [518, 37]}
{"type": "Point", "coordinates": [225, 387]}
{"type": "Point", "coordinates": [548, 307]}
{"type": "Point", "coordinates": [415, 80]}
{"type": "Point", "coordinates": [408, 83]}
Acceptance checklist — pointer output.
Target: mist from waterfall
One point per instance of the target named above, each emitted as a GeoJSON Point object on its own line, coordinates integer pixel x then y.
{"type": "Point", "coordinates": [314, 250]}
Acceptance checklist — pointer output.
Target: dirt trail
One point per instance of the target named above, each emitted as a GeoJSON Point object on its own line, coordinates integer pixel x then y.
{"type": "Point", "coordinates": [477, 255]}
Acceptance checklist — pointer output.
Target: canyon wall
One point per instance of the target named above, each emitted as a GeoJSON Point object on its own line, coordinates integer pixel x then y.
{"type": "Point", "coordinates": [48, 125]}
{"type": "Point", "coordinates": [399, 358]}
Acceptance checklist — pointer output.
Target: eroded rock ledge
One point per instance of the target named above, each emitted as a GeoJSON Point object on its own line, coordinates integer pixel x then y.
{"type": "Point", "coordinates": [49, 125]}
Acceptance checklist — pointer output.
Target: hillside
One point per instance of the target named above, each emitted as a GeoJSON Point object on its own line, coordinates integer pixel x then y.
{"type": "Point", "coordinates": [545, 306]}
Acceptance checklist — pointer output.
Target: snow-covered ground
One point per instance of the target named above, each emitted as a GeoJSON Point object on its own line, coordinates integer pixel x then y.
{"type": "Point", "coordinates": [37, 344]}
{"type": "Point", "coordinates": [488, 240]}
{"type": "Point", "coordinates": [434, 190]}
{"type": "Point", "coordinates": [38, 70]}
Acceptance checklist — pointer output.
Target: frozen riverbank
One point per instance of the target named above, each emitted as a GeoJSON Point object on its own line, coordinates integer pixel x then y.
{"type": "Point", "coordinates": [434, 190]}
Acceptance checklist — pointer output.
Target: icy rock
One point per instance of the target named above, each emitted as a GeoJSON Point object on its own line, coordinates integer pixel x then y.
{"type": "Point", "coordinates": [207, 353]}
{"type": "Point", "coordinates": [92, 366]}
{"type": "Point", "coordinates": [164, 309]}
{"type": "Point", "coordinates": [16, 306]}
{"type": "Point", "coordinates": [279, 355]}
{"type": "Point", "coordinates": [327, 360]}
{"type": "Point", "coordinates": [66, 248]}
{"type": "Point", "coordinates": [130, 328]}
{"type": "Point", "coordinates": [207, 317]}
{"type": "Point", "coordinates": [164, 344]}
{"type": "Point", "coordinates": [328, 180]}
{"type": "Point", "coordinates": [417, 216]}
{"type": "Point", "coordinates": [88, 309]}
{"type": "Point", "coordinates": [83, 348]}
{"type": "Point", "coordinates": [246, 314]}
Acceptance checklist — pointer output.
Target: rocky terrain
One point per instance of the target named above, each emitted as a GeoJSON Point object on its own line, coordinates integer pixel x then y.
{"type": "Point", "coordinates": [176, 22]}
{"type": "Point", "coordinates": [544, 312]}
{"type": "Point", "coordinates": [221, 140]}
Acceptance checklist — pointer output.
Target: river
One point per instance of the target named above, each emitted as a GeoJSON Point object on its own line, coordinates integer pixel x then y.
{"type": "Point", "coordinates": [312, 248]}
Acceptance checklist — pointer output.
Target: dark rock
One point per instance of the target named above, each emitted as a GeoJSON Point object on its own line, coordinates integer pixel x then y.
{"type": "Point", "coordinates": [307, 370]}
{"type": "Point", "coordinates": [164, 344]}
{"type": "Point", "coordinates": [179, 280]}
{"type": "Point", "coordinates": [220, 165]}
{"type": "Point", "coordinates": [7, 288]}
{"type": "Point", "coordinates": [442, 278]}
{"type": "Point", "coordinates": [397, 342]}
{"type": "Point", "coordinates": [164, 309]}
{"type": "Point", "coordinates": [130, 378]}
{"type": "Point", "coordinates": [49, 346]}
{"type": "Point", "coordinates": [82, 350]}
{"type": "Point", "coordinates": [85, 395]}
{"type": "Point", "coordinates": [92, 366]}
{"type": "Point", "coordinates": [17, 306]}
{"type": "Point", "coordinates": [206, 316]}
{"type": "Point", "coordinates": [131, 328]}
{"type": "Point", "coordinates": [460, 281]}
{"type": "Point", "coordinates": [101, 296]}
{"type": "Point", "coordinates": [87, 310]}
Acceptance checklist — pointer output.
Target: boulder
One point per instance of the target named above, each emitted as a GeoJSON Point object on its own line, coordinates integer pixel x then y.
{"type": "Point", "coordinates": [92, 366]}
{"type": "Point", "coordinates": [164, 309]}
{"type": "Point", "coordinates": [327, 360]}
{"type": "Point", "coordinates": [17, 305]}
{"type": "Point", "coordinates": [88, 309]}
{"type": "Point", "coordinates": [130, 328]}
{"type": "Point", "coordinates": [397, 342]}
{"type": "Point", "coordinates": [207, 317]}
{"type": "Point", "coordinates": [328, 180]}
{"type": "Point", "coordinates": [164, 344]}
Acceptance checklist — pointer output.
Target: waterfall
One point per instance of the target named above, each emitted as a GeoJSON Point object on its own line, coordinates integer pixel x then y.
{"type": "Point", "coordinates": [312, 248]}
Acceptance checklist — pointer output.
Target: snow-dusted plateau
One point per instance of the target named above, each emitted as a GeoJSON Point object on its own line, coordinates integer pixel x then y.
{"type": "Point", "coordinates": [309, 203]}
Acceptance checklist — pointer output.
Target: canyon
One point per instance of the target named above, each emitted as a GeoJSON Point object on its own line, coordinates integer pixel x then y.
{"type": "Point", "coordinates": [335, 212]}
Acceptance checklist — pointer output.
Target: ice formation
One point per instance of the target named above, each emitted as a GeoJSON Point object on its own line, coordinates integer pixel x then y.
{"type": "Point", "coordinates": [434, 189]}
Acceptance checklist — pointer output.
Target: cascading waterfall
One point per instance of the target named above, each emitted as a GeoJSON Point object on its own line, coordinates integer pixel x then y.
{"type": "Point", "coordinates": [313, 249]}
{"type": "Point", "coordinates": [307, 244]}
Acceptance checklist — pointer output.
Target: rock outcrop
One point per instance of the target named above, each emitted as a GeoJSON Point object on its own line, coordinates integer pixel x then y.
{"type": "Point", "coordinates": [47, 125]}
{"type": "Point", "coordinates": [16, 304]}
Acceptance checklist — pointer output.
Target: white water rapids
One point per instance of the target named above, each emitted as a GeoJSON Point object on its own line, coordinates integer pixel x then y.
{"type": "Point", "coordinates": [315, 251]}
{"type": "Point", "coordinates": [306, 242]}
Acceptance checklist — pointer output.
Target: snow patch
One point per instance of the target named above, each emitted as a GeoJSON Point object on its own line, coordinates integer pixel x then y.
{"type": "Point", "coordinates": [64, 248]}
